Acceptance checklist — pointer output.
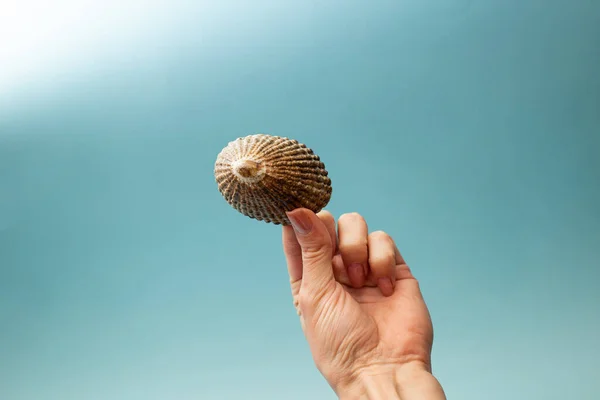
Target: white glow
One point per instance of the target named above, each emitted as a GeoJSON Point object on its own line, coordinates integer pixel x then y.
{"type": "Point", "coordinates": [39, 37]}
{"type": "Point", "coordinates": [42, 41]}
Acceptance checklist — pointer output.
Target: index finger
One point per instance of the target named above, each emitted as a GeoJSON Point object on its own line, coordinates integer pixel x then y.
{"type": "Point", "coordinates": [293, 251]}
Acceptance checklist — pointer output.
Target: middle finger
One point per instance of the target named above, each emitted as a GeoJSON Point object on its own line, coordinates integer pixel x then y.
{"type": "Point", "coordinates": [353, 246]}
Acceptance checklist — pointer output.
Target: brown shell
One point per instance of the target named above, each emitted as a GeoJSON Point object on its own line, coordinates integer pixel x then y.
{"type": "Point", "coordinates": [263, 176]}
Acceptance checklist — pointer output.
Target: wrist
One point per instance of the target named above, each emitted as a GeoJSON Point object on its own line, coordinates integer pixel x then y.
{"type": "Point", "coordinates": [371, 385]}
{"type": "Point", "coordinates": [406, 382]}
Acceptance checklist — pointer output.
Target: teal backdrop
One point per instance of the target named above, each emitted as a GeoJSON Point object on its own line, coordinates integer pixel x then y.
{"type": "Point", "coordinates": [468, 130]}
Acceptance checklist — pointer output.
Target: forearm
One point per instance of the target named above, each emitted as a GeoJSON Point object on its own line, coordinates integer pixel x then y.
{"type": "Point", "coordinates": [405, 383]}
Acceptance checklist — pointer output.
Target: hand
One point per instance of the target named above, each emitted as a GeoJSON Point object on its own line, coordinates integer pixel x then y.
{"type": "Point", "coordinates": [360, 308]}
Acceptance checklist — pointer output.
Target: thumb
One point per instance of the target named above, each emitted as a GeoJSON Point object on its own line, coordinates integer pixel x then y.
{"type": "Point", "coordinates": [315, 241]}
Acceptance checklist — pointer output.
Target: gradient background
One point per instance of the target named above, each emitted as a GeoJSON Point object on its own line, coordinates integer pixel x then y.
{"type": "Point", "coordinates": [469, 130]}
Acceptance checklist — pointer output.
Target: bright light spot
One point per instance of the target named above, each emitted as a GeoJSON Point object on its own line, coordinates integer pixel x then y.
{"type": "Point", "coordinates": [41, 42]}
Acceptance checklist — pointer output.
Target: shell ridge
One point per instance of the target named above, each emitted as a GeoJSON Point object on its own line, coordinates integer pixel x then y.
{"type": "Point", "coordinates": [266, 141]}
{"type": "Point", "coordinates": [287, 151]}
{"type": "Point", "coordinates": [252, 146]}
{"type": "Point", "coordinates": [285, 174]}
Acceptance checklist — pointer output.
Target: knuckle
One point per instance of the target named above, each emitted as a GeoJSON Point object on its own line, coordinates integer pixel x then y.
{"type": "Point", "coordinates": [303, 301]}
{"type": "Point", "coordinates": [380, 235]}
{"type": "Point", "coordinates": [352, 216]}
{"type": "Point", "coordinates": [383, 259]}
{"type": "Point", "coordinates": [381, 248]}
{"type": "Point", "coordinates": [297, 305]}
{"type": "Point", "coordinates": [354, 248]}
{"type": "Point", "coordinates": [325, 214]}
{"type": "Point", "coordinates": [316, 253]}
{"type": "Point", "coordinates": [310, 298]}
{"type": "Point", "coordinates": [353, 243]}
{"type": "Point", "coordinates": [382, 239]}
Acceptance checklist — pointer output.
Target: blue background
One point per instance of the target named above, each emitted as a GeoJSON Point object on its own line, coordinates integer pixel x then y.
{"type": "Point", "coordinates": [468, 130]}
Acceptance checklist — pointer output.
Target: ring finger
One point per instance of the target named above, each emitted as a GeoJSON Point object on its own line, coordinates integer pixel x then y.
{"type": "Point", "coordinates": [353, 247]}
{"type": "Point", "coordinates": [383, 256]}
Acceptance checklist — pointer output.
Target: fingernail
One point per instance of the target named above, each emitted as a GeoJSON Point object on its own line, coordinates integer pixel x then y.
{"type": "Point", "coordinates": [356, 273]}
{"type": "Point", "coordinates": [385, 284]}
{"type": "Point", "coordinates": [300, 222]}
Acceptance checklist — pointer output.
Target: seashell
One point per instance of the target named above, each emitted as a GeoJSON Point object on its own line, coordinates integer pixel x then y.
{"type": "Point", "coordinates": [263, 176]}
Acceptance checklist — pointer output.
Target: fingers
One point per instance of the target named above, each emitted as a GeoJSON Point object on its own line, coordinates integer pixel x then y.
{"type": "Point", "coordinates": [293, 251]}
{"type": "Point", "coordinates": [363, 259]}
{"type": "Point", "coordinates": [382, 260]}
{"type": "Point", "coordinates": [315, 248]}
{"type": "Point", "coordinates": [353, 246]}
{"type": "Point", "coordinates": [329, 222]}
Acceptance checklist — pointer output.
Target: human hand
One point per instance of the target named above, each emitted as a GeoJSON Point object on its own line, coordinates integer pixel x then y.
{"type": "Point", "coordinates": [360, 308]}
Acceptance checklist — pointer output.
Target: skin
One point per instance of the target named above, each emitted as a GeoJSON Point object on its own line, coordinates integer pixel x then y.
{"type": "Point", "coordinates": [360, 308]}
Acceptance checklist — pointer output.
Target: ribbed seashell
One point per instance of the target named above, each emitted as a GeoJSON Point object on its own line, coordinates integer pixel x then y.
{"type": "Point", "coordinates": [263, 176]}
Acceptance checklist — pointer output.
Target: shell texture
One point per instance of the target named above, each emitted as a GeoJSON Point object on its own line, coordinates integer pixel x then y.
{"type": "Point", "coordinates": [263, 176]}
